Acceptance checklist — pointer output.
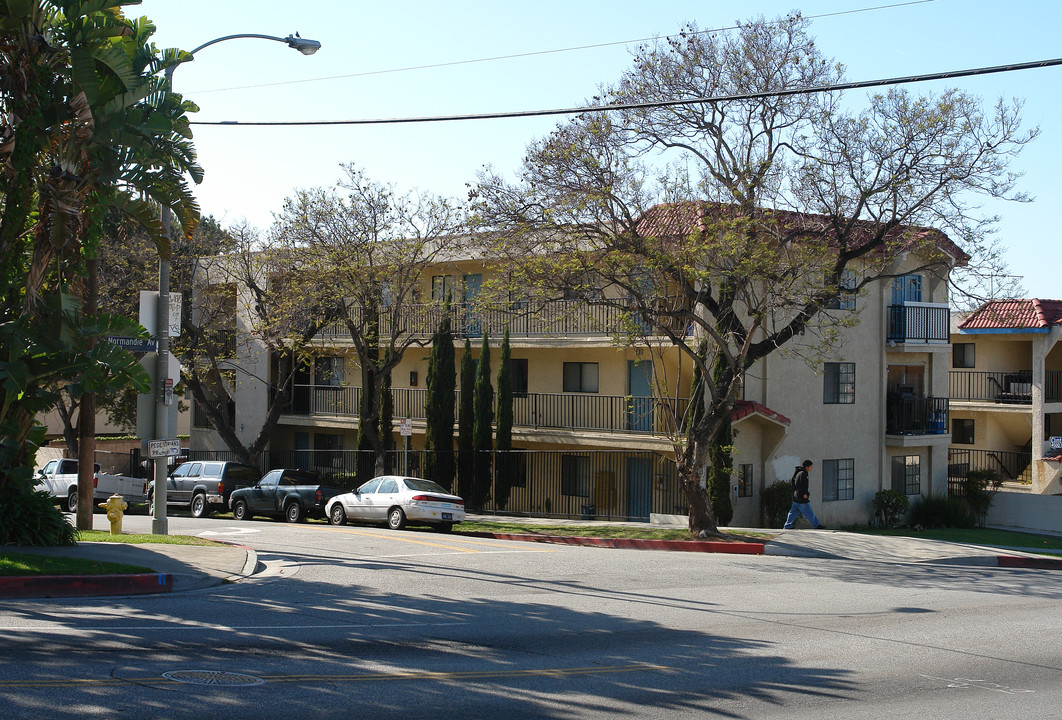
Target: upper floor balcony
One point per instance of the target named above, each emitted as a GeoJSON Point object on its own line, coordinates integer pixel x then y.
{"type": "Point", "coordinates": [559, 318]}
{"type": "Point", "coordinates": [907, 415]}
{"type": "Point", "coordinates": [585, 412]}
{"type": "Point", "coordinates": [919, 322]}
{"type": "Point", "coordinates": [1010, 388]}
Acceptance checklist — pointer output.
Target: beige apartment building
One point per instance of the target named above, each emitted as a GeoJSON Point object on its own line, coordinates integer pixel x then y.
{"type": "Point", "coordinates": [590, 421]}
{"type": "Point", "coordinates": [1006, 393]}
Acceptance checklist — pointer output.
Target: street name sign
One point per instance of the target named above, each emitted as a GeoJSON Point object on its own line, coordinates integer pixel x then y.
{"type": "Point", "coordinates": [132, 344]}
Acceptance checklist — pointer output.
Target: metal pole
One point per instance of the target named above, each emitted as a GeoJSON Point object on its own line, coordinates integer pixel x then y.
{"type": "Point", "coordinates": [159, 524]}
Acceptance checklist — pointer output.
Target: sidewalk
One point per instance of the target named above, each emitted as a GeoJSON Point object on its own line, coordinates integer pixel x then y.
{"type": "Point", "coordinates": [178, 568]}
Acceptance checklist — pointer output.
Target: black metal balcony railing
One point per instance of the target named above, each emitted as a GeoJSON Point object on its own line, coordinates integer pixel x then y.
{"type": "Point", "coordinates": [916, 416]}
{"type": "Point", "coordinates": [1002, 387]}
{"type": "Point", "coordinates": [919, 322]}
{"type": "Point", "coordinates": [1010, 465]}
{"type": "Point", "coordinates": [554, 319]}
{"type": "Point", "coordinates": [573, 411]}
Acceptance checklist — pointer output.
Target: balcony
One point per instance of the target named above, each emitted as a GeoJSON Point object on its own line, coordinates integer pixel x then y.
{"type": "Point", "coordinates": [1006, 388]}
{"type": "Point", "coordinates": [567, 411]}
{"type": "Point", "coordinates": [1010, 465]}
{"type": "Point", "coordinates": [916, 416]}
{"type": "Point", "coordinates": [915, 322]}
{"type": "Point", "coordinates": [553, 319]}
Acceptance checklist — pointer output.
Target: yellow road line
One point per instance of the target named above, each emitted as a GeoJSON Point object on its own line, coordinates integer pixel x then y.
{"type": "Point", "coordinates": [359, 677]}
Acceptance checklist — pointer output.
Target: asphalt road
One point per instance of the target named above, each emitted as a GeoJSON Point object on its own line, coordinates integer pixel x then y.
{"type": "Point", "coordinates": [365, 622]}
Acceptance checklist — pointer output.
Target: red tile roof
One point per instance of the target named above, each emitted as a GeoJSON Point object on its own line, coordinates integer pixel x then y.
{"type": "Point", "coordinates": [1014, 315]}
{"type": "Point", "coordinates": [681, 219]}
{"type": "Point", "coordinates": [745, 408]}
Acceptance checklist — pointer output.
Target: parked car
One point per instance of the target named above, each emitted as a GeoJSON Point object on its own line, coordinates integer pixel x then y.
{"type": "Point", "coordinates": [59, 479]}
{"type": "Point", "coordinates": [398, 501]}
{"type": "Point", "coordinates": [203, 487]}
{"type": "Point", "coordinates": [291, 494]}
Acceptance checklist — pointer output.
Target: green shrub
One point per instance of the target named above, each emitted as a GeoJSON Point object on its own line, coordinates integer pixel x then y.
{"type": "Point", "coordinates": [30, 518]}
{"type": "Point", "coordinates": [979, 487]}
{"type": "Point", "coordinates": [938, 511]}
{"type": "Point", "coordinates": [340, 480]}
{"type": "Point", "coordinates": [891, 506]}
{"type": "Point", "coordinates": [775, 503]}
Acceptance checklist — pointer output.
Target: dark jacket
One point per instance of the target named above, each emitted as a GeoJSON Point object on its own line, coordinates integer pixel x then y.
{"type": "Point", "coordinates": [801, 494]}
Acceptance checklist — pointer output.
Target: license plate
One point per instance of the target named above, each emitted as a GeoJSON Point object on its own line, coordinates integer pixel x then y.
{"type": "Point", "coordinates": [448, 516]}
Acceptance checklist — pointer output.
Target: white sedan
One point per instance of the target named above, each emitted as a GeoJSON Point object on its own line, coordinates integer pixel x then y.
{"type": "Point", "coordinates": [398, 500]}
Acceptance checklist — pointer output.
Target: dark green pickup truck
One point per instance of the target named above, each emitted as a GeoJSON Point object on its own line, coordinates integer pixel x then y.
{"type": "Point", "coordinates": [290, 494]}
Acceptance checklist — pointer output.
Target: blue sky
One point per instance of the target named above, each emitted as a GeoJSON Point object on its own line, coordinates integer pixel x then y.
{"type": "Point", "coordinates": [249, 171]}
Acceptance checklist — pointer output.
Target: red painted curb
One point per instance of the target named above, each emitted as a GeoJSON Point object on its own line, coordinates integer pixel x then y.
{"type": "Point", "coordinates": [1012, 561]}
{"type": "Point", "coordinates": [84, 585]}
{"type": "Point", "coordinates": [710, 546]}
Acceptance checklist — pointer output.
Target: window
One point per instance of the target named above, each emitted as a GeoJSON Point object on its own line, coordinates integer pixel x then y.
{"type": "Point", "coordinates": [580, 377]}
{"type": "Point", "coordinates": [962, 431]}
{"type": "Point", "coordinates": [838, 479]}
{"type": "Point", "coordinates": [907, 288]}
{"type": "Point", "coordinates": [962, 355]}
{"type": "Point", "coordinates": [575, 475]}
{"type": "Point", "coordinates": [518, 373]}
{"type": "Point", "coordinates": [442, 288]}
{"type": "Point", "coordinates": [745, 480]}
{"type": "Point", "coordinates": [907, 474]}
{"type": "Point", "coordinates": [846, 299]}
{"type": "Point", "coordinates": [839, 384]}
{"type": "Point", "coordinates": [328, 372]}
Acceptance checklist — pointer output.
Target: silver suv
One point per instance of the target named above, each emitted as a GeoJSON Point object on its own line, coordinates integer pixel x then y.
{"type": "Point", "coordinates": [203, 486]}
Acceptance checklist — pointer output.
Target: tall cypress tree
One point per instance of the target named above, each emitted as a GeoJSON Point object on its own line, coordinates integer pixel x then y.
{"type": "Point", "coordinates": [465, 419]}
{"type": "Point", "coordinates": [483, 428]}
{"type": "Point", "coordinates": [439, 406]}
{"type": "Point", "coordinates": [503, 442]}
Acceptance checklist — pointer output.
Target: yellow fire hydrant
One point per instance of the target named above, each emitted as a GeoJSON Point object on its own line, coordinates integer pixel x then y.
{"type": "Point", "coordinates": [115, 507]}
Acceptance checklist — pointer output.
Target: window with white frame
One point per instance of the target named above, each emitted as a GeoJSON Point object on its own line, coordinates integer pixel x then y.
{"type": "Point", "coordinates": [838, 386]}
{"type": "Point", "coordinates": [907, 474]}
{"type": "Point", "coordinates": [838, 479]}
{"type": "Point", "coordinates": [846, 298]}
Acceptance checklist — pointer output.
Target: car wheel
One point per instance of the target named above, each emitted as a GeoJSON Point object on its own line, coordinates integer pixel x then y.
{"type": "Point", "coordinates": [71, 502]}
{"type": "Point", "coordinates": [199, 506]}
{"type": "Point", "coordinates": [293, 512]}
{"type": "Point", "coordinates": [396, 519]}
{"type": "Point", "coordinates": [338, 516]}
{"type": "Point", "coordinates": [444, 527]}
{"type": "Point", "coordinates": [240, 511]}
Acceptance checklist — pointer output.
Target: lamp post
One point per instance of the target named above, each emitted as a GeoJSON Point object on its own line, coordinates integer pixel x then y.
{"type": "Point", "coordinates": [159, 524]}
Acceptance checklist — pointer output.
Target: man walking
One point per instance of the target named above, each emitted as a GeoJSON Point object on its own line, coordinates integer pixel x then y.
{"type": "Point", "coordinates": [802, 498]}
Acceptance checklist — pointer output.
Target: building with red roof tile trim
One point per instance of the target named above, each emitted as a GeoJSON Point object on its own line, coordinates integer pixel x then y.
{"type": "Point", "coordinates": [683, 218]}
{"type": "Point", "coordinates": [745, 408]}
{"type": "Point", "coordinates": [1031, 314]}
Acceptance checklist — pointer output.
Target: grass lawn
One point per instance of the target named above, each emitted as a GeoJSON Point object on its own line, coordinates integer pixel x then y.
{"type": "Point", "coordinates": [600, 531]}
{"type": "Point", "coordinates": [975, 536]}
{"type": "Point", "coordinates": [21, 564]}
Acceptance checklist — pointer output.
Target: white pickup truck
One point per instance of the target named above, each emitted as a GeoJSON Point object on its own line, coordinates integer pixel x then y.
{"type": "Point", "coordinates": [59, 479]}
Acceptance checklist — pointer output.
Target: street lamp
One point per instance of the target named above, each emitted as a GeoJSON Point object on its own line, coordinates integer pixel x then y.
{"type": "Point", "coordinates": [159, 525]}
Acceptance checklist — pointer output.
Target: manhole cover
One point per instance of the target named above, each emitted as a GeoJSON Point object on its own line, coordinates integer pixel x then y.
{"type": "Point", "coordinates": [212, 677]}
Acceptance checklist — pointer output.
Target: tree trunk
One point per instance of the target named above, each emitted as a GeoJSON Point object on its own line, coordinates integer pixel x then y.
{"type": "Point", "coordinates": [702, 519]}
{"type": "Point", "coordinates": [87, 418]}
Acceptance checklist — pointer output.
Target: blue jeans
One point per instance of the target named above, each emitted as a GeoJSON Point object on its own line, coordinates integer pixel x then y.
{"type": "Point", "coordinates": [796, 511]}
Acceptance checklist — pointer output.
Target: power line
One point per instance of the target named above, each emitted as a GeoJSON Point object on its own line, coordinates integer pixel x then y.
{"type": "Point", "coordinates": [647, 105]}
{"type": "Point", "coordinates": [536, 53]}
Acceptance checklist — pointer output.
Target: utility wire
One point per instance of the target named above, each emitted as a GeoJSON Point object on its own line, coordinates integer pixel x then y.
{"type": "Point", "coordinates": [535, 53]}
{"type": "Point", "coordinates": [656, 104]}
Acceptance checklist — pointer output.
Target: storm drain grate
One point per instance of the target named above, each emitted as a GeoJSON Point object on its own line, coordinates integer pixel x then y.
{"type": "Point", "coordinates": [216, 678]}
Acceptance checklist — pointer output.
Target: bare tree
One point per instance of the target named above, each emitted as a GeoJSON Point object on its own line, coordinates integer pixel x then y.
{"type": "Point", "coordinates": [775, 207]}
{"type": "Point", "coordinates": [374, 246]}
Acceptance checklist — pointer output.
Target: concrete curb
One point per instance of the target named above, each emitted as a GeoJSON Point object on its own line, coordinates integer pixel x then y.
{"type": "Point", "coordinates": [707, 546]}
{"type": "Point", "coordinates": [29, 586]}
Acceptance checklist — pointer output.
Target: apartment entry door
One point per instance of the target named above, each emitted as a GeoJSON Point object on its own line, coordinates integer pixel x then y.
{"type": "Point", "coordinates": [639, 487]}
{"type": "Point", "coordinates": [640, 389]}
